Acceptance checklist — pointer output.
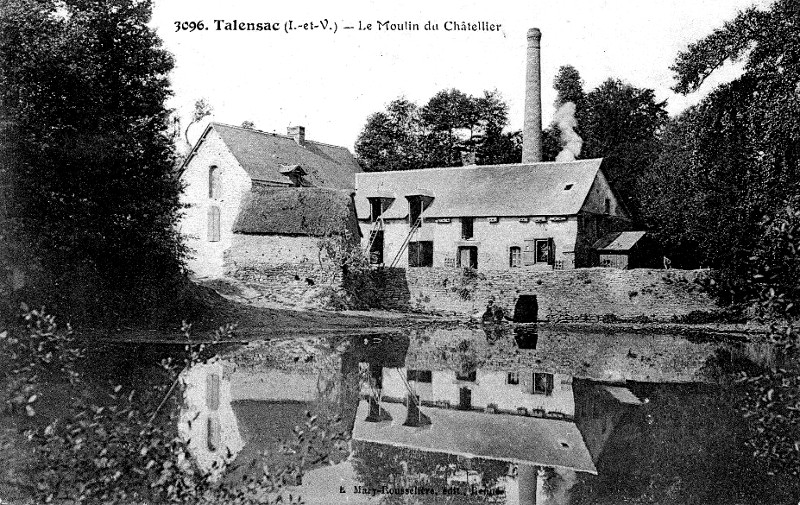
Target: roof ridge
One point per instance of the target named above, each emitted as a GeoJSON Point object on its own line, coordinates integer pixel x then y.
{"type": "Point", "coordinates": [274, 134]}
{"type": "Point", "coordinates": [473, 167]}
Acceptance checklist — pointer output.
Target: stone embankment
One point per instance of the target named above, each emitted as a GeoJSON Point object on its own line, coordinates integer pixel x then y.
{"type": "Point", "coordinates": [581, 295]}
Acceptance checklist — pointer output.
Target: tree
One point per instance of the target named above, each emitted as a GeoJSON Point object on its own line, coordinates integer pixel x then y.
{"type": "Point", "coordinates": [736, 160]}
{"type": "Point", "coordinates": [742, 142]}
{"type": "Point", "coordinates": [569, 87]}
{"type": "Point", "coordinates": [390, 139]}
{"type": "Point", "coordinates": [617, 122]}
{"type": "Point", "coordinates": [622, 125]}
{"type": "Point", "coordinates": [96, 196]}
{"type": "Point", "coordinates": [451, 123]}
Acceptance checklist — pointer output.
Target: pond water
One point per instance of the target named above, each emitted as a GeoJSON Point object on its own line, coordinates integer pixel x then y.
{"type": "Point", "coordinates": [491, 415]}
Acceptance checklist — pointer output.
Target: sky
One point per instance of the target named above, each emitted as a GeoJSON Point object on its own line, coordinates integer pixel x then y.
{"type": "Point", "coordinates": [331, 80]}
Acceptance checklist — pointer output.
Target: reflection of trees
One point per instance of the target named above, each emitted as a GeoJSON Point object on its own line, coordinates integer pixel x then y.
{"type": "Point", "coordinates": [684, 446]}
{"type": "Point", "coordinates": [378, 465]}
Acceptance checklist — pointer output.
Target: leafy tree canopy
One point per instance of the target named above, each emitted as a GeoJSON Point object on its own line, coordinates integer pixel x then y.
{"type": "Point", "coordinates": [734, 157]}
{"type": "Point", "coordinates": [96, 197]}
{"type": "Point", "coordinates": [618, 122]}
{"type": "Point", "coordinates": [406, 136]}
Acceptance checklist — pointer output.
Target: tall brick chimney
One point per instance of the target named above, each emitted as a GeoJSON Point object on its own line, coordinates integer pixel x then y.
{"type": "Point", "coordinates": [532, 127]}
{"type": "Point", "coordinates": [298, 133]}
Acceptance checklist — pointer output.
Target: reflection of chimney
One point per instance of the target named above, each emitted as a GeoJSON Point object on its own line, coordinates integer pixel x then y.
{"type": "Point", "coordinates": [298, 133]}
{"type": "Point", "coordinates": [532, 128]}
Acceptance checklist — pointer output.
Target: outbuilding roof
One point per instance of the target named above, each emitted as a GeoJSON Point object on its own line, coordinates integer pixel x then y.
{"type": "Point", "coordinates": [619, 241]}
{"type": "Point", "coordinates": [262, 155]}
{"type": "Point", "coordinates": [517, 439]}
{"type": "Point", "coordinates": [537, 189]}
{"type": "Point", "coordinates": [312, 212]}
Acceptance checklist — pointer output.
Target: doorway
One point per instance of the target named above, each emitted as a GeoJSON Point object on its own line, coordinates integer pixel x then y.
{"type": "Point", "coordinates": [468, 257]}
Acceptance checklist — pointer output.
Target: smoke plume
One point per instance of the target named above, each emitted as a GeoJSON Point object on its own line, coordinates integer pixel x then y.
{"type": "Point", "coordinates": [564, 119]}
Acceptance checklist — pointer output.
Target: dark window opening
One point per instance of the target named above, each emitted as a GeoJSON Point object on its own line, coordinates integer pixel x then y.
{"type": "Point", "coordinates": [515, 257]}
{"type": "Point", "coordinates": [467, 376]}
{"type": "Point", "coordinates": [468, 257]}
{"type": "Point", "coordinates": [467, 227]}
{"type": "Point", "coordinates": [419, 376]}
{"type": "Point", "coordinates": [464, 399]}
{"type": "Point", "coordinates": [213, 182]}
{"type": "Point", "coordinates": [415, 210]}
{"type": "Point", "coordinates": [420, 254]}
{"type": "Point", "coordinates": [376, 247]}
{"type": "Point", "coordinates": [608, 206]}
{"type": "Point", "coordinates": [512, 378]}
{"type": "Point", "coordinates": [567, 187]}
{"type": "Point", "coordinates": [375, 209]}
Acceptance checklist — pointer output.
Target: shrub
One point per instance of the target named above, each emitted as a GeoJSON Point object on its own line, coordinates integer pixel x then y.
{"type": "Point", "coordinates": [116, 444]}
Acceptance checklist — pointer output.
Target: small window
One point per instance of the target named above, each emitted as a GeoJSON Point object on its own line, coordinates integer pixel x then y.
{"type": "Point", "coordinates": [512, 378]}
{"type": "Point", "coordinates": [515, 257]}
{"type": "Point", "coordinates": [608, 206]}
{"type": "Point", "coordinates": [542, 383]}
{"type": "Point", "coordinates": [467, 227]}
{"type": "Point", "coordinates": [419, 376]}
{"type": "Point", "coordinates": [567, 187]}
{"type": "Point", "coordinates": [420, 254]}
{"type": "Point", "coordinates": [213, 182]}
{"type": "Point", "coordinates": [213, 224]}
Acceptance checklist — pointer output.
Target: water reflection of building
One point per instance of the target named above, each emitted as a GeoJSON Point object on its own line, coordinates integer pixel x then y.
{"type": "Point", "coordinates": [207, 420]}
{"type": "Point", "coordinates": [243, 411]}
{"type": "Point", "coordinates": [453, 398]}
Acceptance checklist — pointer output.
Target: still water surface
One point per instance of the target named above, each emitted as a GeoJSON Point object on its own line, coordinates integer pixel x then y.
{"type": "Point", "coordinates": [490, 415]}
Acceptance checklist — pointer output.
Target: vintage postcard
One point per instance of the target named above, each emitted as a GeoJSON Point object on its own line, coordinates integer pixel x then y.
{"type": "Point", "coordinates": [400, 252]}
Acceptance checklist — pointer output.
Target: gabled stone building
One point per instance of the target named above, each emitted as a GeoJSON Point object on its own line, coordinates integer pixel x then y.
{"type": "Point", "coordinates": [227, 162]}
{"type": "Point", "coordinates": [529, 215]}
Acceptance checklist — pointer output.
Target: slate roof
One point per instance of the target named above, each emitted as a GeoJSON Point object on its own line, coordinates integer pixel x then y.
{"type": "Point", "coordinates": [518, 439]}
{"type": "Point", "coordinates": [536, 189]}
{"type": "Point", "coordinates": [313, 212]}
{"type": "Point", "coordinates": [619, 241]}
{"type": "Point", "coordinates": [263, 154]}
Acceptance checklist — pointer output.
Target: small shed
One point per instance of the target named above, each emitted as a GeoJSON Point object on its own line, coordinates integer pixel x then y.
{"type": "Point", "coordinates": [625, 249]}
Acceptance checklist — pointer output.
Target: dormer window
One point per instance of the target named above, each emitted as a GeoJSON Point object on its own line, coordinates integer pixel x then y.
{"type": "Point", "coordinates": [214, 189]}
{"type": "Point", "coordinates": [295, 174]}
{"type": "Point", "coordinates": [375, 209]}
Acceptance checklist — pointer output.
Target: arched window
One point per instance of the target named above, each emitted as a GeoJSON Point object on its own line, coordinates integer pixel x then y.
{"type": "Point", "coordinates": [213, 224]}
{"type": "Point", "coordinates": [213, 182]}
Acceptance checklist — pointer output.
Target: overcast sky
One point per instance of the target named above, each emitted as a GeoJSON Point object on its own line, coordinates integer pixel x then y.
{"type": "Point", "coordinates": [330, 82]}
